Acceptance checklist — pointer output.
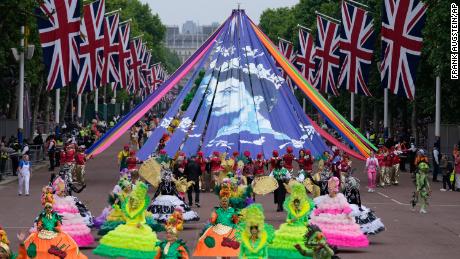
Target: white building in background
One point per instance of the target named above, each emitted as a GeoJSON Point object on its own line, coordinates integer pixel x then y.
{"type": "Point", "coordinates": [184, 42]}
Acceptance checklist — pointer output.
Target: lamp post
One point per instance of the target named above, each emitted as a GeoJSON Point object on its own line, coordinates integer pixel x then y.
{"type": "Point", "coordinates": [19, 56]}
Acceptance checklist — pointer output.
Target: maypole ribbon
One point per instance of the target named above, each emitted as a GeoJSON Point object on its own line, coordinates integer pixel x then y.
{"type": "Point", "coordinates": [137, 113]}
{"type": "Point", "coordinates": [313, 95]}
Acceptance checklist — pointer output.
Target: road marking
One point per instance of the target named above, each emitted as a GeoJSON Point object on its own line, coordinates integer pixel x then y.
{"type": "Point", "coordinates": [400, 203]}
{"type": "Point", "coordinates": [383, 195]}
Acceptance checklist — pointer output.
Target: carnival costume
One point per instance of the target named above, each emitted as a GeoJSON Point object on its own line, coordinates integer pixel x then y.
{"type": "Point", "coordinates": [218, 238]}
{"type": "Point", "coordinates": [332, 216]}
{"type": "Point", "coordinates": [72, 222]}
{"type": "Point", "coordinates": [5, 249]}
{"type": "Point", "coordinates": [166, 199]}
{"type": "Point", "coordinates": [240, 192]}
{"type": "Point", "coordinates": [298, 207]}
{"type": "Point", "coordinates": [253, 233]}
{"type": "Point", "coordinates": [316, 244]}
{"type": "Point", "coordinates": [134, 239]}
{"type": "Point", "coordinates": [423, 189]}
{"type": "Point", "coordinates": [48, 240]}
{"type": "Point", "coordinates": [372, 165]}
{"type": "Point", "coordinates": [288, 158]}
{"type": "Point", "coordinates": [370, 224]}
{"type": "Point", "coordinates": [173, 248]}
{"type": "Point", "coordinates": [282, 176]}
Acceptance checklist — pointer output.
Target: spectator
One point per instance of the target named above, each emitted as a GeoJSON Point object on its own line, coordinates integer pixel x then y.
{"type": "Point", "coordinates": [436, 156]}
{"type": "Point", "coordinates": [457, 172]}
{"type": "Point", "coordinates": [4, 155]}
{"type": "Point", "coordinates": [38, 140]}
{"type": "Point", "coordinates": [25, 170]}
{"type": "Point", "coordinates": [15, 155]}
{"type": "Point", "coordinates": [25, 148]}
{"type": "Point", "coordinates": [193, 172]}
{"type": "Point", "coordinates": [445, 170]}
{"type": "Point", "coordinates": [51, 148]}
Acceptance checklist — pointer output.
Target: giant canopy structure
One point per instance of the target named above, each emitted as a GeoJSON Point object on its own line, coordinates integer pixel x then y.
{"type": "Point", "coordinates": [242, 103]}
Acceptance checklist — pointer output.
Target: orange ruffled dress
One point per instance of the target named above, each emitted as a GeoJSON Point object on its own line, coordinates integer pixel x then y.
{"type": "Point", "coordinates": [215, 239]}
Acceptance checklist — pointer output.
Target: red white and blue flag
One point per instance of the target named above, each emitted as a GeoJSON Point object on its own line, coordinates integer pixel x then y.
{"type": "Point", "coordinates": [110, 70]}
{"type": "Point", "coordinates": [59, 37]}
{"type": "Point", "coordinates": [356, 49]}
{"type": "Point", "coordinates": [402, 24]}
{"type": "Point", "coordinates": [124, 55]}
{"type": "Point", "coordinates": [287, 49]}
{"type": "Point", "coordinates": [92, 46]}
{"type": "Point", "coordinates": [158, 75]}
{"type": "Point", "coordinates": [327, 56]}
{"type": "Point", "coordinates": [146, 76]}
{"type": "Point", "coordinates": [305, 59]}
{"type": "Point", "coordinates": [135, 66]}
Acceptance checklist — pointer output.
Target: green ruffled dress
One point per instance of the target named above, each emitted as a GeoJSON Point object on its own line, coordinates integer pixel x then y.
{"type": "Point", "coordinates": [133, 240]}
{"type": "Point", "coordinates": [291, 233]}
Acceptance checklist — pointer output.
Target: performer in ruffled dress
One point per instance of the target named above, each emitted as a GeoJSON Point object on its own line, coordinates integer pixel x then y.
{"type": "Point", "coordinates": [333, 216]}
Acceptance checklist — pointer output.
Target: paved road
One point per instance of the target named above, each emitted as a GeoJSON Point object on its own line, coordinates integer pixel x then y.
{"type": "Point", "coordinates": [408, 235]}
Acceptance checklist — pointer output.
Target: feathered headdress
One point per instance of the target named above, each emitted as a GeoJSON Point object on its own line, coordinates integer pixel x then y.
{"type": "Point", "coordinates": [47, 195]}
{"type": "Point", "coordinates": [298, 192]}
{"type": "Point", "coordinates": [175, 222]}
{"type": "Point", "coordinates": [253, 215]}
{"type": "Point", "coordinates": [58, 185]}
{"type": "Point", "coordinates": [4, 242]}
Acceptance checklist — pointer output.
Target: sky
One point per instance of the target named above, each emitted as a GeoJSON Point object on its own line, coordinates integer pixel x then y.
{"type": "Point", "coordinates": [205, 12]}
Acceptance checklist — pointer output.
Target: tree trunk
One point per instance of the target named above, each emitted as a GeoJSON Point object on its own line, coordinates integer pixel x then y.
{"type": "Point", "coordinates": [413, 122]}
{"type": "Point", "coordinates": [362, 114]}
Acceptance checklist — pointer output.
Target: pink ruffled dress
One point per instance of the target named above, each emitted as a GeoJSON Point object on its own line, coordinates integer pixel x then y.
{"type": "Point", "coordinates": [72, 222]}
{"type": "Point", "coordinates": [332, 216]}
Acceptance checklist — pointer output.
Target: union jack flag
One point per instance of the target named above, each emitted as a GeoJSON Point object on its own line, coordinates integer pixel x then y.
{"type": "Point", "coordinates": [110, 70]}
{"type": "Point", "coordinates": [135, 47]}
{"type": "Point", "coordinates": [356, 49]}
{"type": "Point", "coordinates": [124, 55]}
{"type": "Point", "coordinates": [158, 75]}
{"type": "Point", "coordinates": [402, 24]}
{"type": "Point", "coordinates": [287, 49]}
{"type": "Point", "coordinates": [305, 59]}
{"type": "Point", "coordinates": [92, 46]}
{"type": "Point", "coordinates": [327, 56]}
{"type": "Point", "coordinates": [59, 38]}
{"type": "Point", "coordinates": [146, 76]}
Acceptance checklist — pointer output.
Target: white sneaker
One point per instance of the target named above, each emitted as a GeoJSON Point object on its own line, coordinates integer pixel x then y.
{"type": "Point", "coordinates": [369, 190]}
{"type": "Point", "coordinates": [442, 190]}
{"type": "Point", "coordinates": [423, 211]}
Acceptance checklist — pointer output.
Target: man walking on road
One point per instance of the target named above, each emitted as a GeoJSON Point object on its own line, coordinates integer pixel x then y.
{"type": "Point", "coordinates": [193, 172]}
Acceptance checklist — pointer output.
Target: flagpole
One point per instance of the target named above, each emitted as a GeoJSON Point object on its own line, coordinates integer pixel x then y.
{"type": "Point", "coordinates": [385, 112]}
{"type": "Point", "coordinates": [96, 101]}
{"type": "Point", "coordinates": [79, 106]}
{"type": "Point", "coordinates": [437, 124]}
{"type": "Point", "coordinates": [352, 107]}
{"type": "Point", "coordinates": [57, 106]}
{"type": "Point", "coordinates": [327, 17]}
{"type": "Point", "coordinates": [21, 84]}
{"type": "Point", "coordinates": [304, 105]}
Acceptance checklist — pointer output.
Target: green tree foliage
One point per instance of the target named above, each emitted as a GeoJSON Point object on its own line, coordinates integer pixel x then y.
{"type": "Point", "coordinates": [282, 22]}
{"type": "Point", "coordinates": [188, 99]}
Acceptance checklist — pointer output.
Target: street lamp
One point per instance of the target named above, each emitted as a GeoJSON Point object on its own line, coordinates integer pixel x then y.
{"type": "Point", "coordinates": [19, 56]}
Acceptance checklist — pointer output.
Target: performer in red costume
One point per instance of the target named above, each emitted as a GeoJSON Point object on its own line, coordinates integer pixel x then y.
{"type": "Point", "coordinates": [216, 168]}
{"type": "Point", "coordinates": [132, 161]}
{"type": "Point", "coordinates": [80, 162]}
{"type": "Point", "coordinates": [259, 165]}
{"type": "Point", "coordinates": [235, 158]}
{"type": "Point", "coordinates": [288, 158]}
{"type": "Point", "coordinates": [274, 160]}
{"type": "Point", "coordinates": [201, 161]}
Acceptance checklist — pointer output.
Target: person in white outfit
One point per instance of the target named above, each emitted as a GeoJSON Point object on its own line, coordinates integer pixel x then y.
{"type": "Point", "coordinates": [24, 169]}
